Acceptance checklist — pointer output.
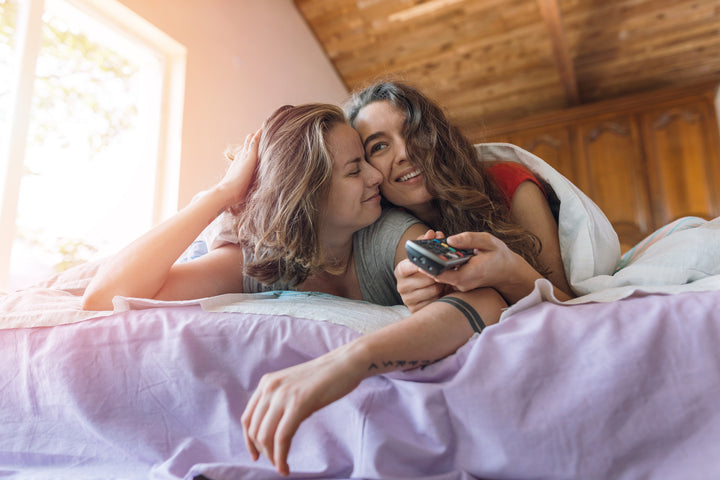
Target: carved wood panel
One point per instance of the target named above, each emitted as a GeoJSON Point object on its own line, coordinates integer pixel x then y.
{"type": "Point", "coordinates": [552, 145]}
{"type": "Point", "coordinates": [681, 151]}
{"type": "Point", "coordinates": [613, 174]}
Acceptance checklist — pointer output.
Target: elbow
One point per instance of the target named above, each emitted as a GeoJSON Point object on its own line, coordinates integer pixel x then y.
{"type": "Point", "coordinates": [95, 302]}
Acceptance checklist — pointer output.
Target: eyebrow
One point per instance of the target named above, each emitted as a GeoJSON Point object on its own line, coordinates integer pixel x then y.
{"type": "Point", "coordinates": [371, 138]}
{"type": "Point", "coordinates": [353, 161]}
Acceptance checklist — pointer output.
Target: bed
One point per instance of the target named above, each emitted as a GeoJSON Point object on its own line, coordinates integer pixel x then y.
{"type": "Point", "coordinates": [622, 382]}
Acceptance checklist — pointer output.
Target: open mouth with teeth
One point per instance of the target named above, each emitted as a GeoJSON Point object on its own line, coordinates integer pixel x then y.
{"type": "Point", "coordinates": [408, 176]}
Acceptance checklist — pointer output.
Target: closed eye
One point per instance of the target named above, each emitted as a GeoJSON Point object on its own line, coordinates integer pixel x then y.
{"type": "Point", "coordinates": [356, 164]}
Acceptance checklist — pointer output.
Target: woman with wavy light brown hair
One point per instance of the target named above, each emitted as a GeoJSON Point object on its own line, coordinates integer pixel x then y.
{"type": "Point", "coordinates": [300, 190]}
{"type": "Point", "coordinates": [430, 168]}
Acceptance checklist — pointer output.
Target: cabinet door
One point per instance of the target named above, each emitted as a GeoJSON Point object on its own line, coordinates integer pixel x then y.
{"type": "Point", "coordinates": [613, 174]}
{"type": "Point", "coordinates": [683, 164]}
{"type": "Point", "coordinates": [551, 144]}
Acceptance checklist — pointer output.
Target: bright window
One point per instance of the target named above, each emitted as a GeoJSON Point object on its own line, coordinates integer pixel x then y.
{"type": "Point", "coordinates": [93, 145]}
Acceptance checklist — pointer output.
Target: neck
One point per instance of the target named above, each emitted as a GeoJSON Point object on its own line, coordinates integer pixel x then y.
{"type": "Point", "coordinates": [337, 253]}
{"type": "Point", "coordinates": [339, 277]}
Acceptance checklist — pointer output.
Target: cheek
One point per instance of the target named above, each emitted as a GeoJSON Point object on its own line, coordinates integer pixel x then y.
{"type": "Point", "coordinates": [382, 165]}
{"type": "Point", "coordinates": [391, 195]}
{"type": "Point", "coordinates": [386, 187]}
{"type": "Point", "coordinates": [342, 199]}
{"type": "Point", "coordinates": [330, 202]}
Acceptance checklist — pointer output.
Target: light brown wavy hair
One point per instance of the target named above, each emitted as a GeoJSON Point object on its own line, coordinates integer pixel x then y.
{"type": "Point", "coordinates": [279, 219]}
{"type": "Point", "coordinates": [466, 196]}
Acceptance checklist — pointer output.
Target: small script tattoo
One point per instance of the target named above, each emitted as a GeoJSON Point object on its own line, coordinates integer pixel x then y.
{"type": "Point", "coordinates": [408, 364]}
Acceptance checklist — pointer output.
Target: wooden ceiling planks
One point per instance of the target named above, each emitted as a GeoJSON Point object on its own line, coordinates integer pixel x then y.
{"type": "Point", "coordinates": [550, 11]}
{"type": "Point", "coordinates": [628, 46]}
{"type": "Point", "coordinates": [492, 61]}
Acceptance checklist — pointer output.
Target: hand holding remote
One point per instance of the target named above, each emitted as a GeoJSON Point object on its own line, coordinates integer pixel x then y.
{"type": "Point", "coordinates": [435, 256]}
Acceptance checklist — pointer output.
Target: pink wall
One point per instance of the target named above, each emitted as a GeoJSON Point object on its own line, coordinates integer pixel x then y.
{"type": "Point", "coordinates": [244, 59]}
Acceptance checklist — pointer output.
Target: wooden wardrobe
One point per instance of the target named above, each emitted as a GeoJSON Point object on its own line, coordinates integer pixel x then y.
{"type": "Point", "coordinates": [645, 160]}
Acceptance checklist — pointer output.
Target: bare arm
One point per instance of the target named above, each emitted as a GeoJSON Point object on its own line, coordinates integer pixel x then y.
{"type": "Point", "coordinates": [495, 265]}
{"type": "Point", "coordinates": [531, 210]}
{"type": "Point", "coordinates": [284, 399]}
{"type": "Point", "coordinates": [146, 268]}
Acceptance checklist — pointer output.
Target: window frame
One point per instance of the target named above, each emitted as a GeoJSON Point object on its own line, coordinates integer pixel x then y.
{"type": "Point", "coordinates": [169, 129]}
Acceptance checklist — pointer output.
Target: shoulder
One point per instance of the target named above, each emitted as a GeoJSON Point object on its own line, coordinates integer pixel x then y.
{"type": "Point", "coordinates": [509, 175]}
{"type": "Point", "coordinates": [391, 219]}
{"type": "Point", "coordinates": [378, 243]}
{"type": "Point", "coordinates": [376, 248]}
{"type": "Point", "coordinates": [397, 215]}
{"type": "Point", "coordinates": [511, 172]}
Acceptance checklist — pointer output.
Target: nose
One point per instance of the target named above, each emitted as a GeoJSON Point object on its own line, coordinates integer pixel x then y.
{"type": "Point", "coordinates": [373, 177]}
{"type": "Point", "coordinates": [401, 153]}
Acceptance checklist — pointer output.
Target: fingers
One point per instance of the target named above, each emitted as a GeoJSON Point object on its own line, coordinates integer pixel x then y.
{"type": "Point", "coordinates": [255, 142]}
{"type": "Point", "coordinates": [248, 139]}
{"type": "Point", "coordinates": [416, 288]}
{"type": "Point", "coordinates": [473, 240]}
{"type": "Point", "coordinates": [268, 426]}
{"type": "Point", "coordinates": [411, 277]}
{"type": "Point", "coordinates": [286, 429]}
{"type": "Point", "coordinates": [251, 143]}
{"type": "Point", "coordinates": [458, 279]}
{"type": "Point", "coordinates": [266, 432]}
{"type": "Point", "coordinates": [257, 421]}
{"type": "Point", "coordinates": [432, 234]}
{"type": "Point", "coordinates": [246, 420]}
{"type": "Point", "coordinates": [257, 418]}
{"type": "Point", "coordinates": [418, 299]}
{"type": "Point", "coordinates": [405, 268]}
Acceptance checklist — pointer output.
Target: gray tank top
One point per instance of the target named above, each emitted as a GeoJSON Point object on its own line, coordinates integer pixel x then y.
{"type": "Point", "coordinates": [374, 252]}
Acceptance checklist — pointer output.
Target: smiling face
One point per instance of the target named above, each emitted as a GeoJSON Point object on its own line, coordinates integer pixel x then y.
{"type": "Point", "coordinates": [381, 126]}
{"type": "Point", "coordinates": [353, 200]}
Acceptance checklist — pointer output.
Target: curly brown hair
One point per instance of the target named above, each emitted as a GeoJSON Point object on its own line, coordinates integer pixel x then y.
{"type": "Point", "coordinates": [466, 196]}
{"type": "Point", "coordinates": [279, 219]}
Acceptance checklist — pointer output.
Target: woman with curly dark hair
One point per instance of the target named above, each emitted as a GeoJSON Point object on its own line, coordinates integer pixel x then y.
{"type": "Point", "coordinates": [430, 168]}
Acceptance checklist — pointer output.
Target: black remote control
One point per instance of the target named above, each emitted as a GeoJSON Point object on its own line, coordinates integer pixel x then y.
{"type": "Point", "coordinates": [435, 256]}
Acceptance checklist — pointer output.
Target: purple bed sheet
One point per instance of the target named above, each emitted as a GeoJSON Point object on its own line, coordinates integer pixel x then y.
{"type": "Point", "coordinates": [622, 390]}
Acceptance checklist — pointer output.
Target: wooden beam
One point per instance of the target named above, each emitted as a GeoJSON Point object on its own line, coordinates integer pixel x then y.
{"type": "Point", "coordinates": [550, 11]}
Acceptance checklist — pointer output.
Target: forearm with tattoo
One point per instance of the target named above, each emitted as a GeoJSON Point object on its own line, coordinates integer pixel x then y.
{"type": "Point", "coordinates": [387, 365]}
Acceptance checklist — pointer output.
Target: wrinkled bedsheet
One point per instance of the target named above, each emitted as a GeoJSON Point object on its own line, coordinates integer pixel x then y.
{"type": "Point", "coordinates": [623, 390]}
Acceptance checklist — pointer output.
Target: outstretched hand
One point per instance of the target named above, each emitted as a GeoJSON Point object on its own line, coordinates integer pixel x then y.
{"type": "Point", "coordinates": [284, 399]}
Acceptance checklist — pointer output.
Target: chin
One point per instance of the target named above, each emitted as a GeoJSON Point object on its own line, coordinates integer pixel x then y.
{"type": "Point", "coordinates": [372, 218]}
{"type": "Point", "coordinates": [412, 201]}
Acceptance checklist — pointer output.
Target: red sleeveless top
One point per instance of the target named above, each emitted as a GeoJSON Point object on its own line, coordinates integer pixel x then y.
{"type": "Point", "coordinates": [509, 175]}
